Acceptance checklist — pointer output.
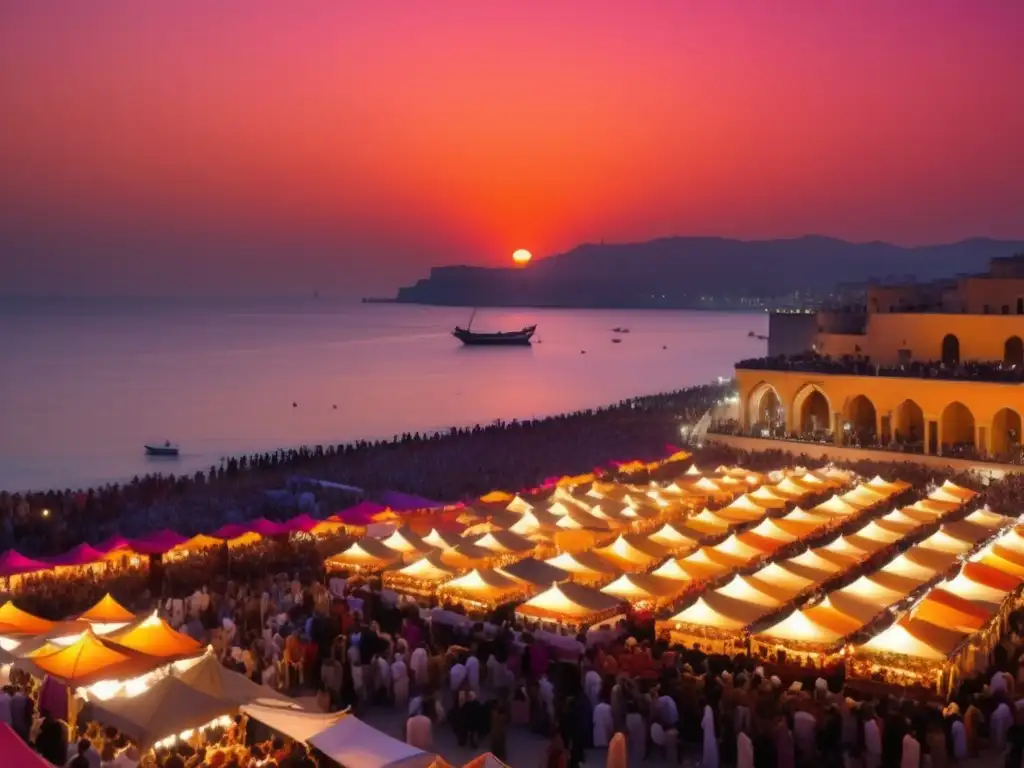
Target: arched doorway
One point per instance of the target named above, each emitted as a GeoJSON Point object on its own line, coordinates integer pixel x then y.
{"type": "Point", "coordinates": [908, 424]}
{"type": "Point", "coordinates": [863, 421]}
{"type": "Point", "coordinates": [950, 349]}
{"type": "Point", "coordinates": [815, 414]}
{"type": "Point", "coordinates": [957, 429]}
{"type": "Point", "coordinates": [1013, 351]}
{"type": "Point", "coordinates": [765, 410]}
{"type": "Point", "coordinates": [1006, 428]}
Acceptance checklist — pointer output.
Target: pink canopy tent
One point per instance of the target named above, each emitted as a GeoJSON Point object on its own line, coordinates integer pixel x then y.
{"type": "Point", "coordinates": [18, 754]}
{"type": "Point", "coordinates": [12, 563]}
{"type": "Point", "coordinates": [406, 502]}
{"type": "Point", "coordinates": [230, 531]}
{"type": "Point", "coordinates": [361, 514]}
{"type": "Point", "coordinates": [158, 543]}
{"type": "Point", "coordinates": [114, 542]}
{"type": "Point", "coordinates": [83, 554]}
{"type": "Point", "coordinates": [300, 524]}
{"type": "Point", "coordinates": [265, 527]}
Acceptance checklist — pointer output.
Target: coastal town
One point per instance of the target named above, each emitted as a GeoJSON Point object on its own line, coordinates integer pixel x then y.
{"type": "Point", "coordinates": [810, 563]}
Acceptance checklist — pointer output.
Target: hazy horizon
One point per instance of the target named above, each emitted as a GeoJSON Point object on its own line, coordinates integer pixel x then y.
{"type": "Point", "coordinates": [249, 149]}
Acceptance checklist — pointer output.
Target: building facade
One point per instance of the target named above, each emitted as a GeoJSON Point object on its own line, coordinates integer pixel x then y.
{"type": "Point", "coordinates": [936, 369]}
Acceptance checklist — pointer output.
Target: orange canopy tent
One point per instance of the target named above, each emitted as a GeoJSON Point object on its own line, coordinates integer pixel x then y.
{"type": "Point", "coordinates": [89, 660]}
{"type": "Point", "coordinates": [13, 620]}
{"type": "Point", "coordinates": [108, 611]}
{"type": "Point", "coordinates": [155, 637]}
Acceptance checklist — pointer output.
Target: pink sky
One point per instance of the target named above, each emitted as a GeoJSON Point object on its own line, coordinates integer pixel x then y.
{"type": "Point", "coordinates": [257, 147]}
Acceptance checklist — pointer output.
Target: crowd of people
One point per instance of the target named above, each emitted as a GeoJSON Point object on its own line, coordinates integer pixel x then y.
{"type": "Point", "coordinates": [861, 365]}
{"type": "Point", "coordinates": [458, 464]}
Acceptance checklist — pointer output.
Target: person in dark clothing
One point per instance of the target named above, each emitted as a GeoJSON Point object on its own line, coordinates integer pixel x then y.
{"type": "Point", "coordinates": [892, 740]}
{"type": "Point", "coordinates": [51, 743]}
{"type": "Point", "coordinates": [1015, 742]}
{"type": "Point", "coordinates": [80, 760]}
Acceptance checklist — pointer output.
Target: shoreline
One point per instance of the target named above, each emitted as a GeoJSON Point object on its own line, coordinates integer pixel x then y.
{"type": "Point", "coordinates": [427, 435]}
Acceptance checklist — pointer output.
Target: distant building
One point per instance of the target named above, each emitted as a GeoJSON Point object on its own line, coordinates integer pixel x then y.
{"type": "Point", "coordinates": [931, 367]}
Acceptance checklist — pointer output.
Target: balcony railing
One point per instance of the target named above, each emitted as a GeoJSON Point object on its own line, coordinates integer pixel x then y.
{"type": "Point", "coordinates": [993, 372]}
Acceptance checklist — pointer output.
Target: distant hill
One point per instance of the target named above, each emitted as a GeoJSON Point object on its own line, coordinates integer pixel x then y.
{"type": "Point", "coordinates": [679, 271]}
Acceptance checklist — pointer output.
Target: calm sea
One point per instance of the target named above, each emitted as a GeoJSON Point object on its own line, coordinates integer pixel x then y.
{"type": "Point", "coordinates": [86, 383]}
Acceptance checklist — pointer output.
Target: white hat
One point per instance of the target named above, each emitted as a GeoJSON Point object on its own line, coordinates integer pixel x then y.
{"type": "Point", "coordinates": [775, 681]}
{"type": "Point", "coordinates": [820, 684]}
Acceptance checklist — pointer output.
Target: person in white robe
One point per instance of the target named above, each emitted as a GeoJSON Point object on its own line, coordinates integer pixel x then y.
{"type": "Point", "coordinates": [604, 725]}
{"type": "Point", "coordinates": [911, 753]}
{"type": "Point", "coordinates": [546, 694]}
{"type": "Point", "coordinates": [418, 663]}
{"type": "Point", "coordinates": [1002, 719]}
{"type": "Point", "coordinates": [400, 680]}
{"type": "Point", "coordinates": [959, 734]}
{"type": "Point", "coordinates": [744, 751]}
{"type": "Point", "coordinates": [473, 674]}
{"type": "Point", "coordinates": [592, 686]}
{"type": "Point", "coordinates": [872, 744]}
{"type": "Point", "coordinates": [709, 758]}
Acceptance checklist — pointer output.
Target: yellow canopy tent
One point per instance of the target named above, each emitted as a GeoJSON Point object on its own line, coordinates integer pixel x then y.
{"type": "Point", "coordinates": [405, 541]}
{"type": "Point", "coordinates": [836, 505]}
{"type": "Point", "coordinates": [443, 541]}
{"type": "Point", "coordinates": [945, 609]}
{"type": "Point", "coordinates": [89, 660]}
{"type": "Point", "coordinates": [365, 554]}
{"type": "Point", "coordinates": [864, 497]}
{"type": "Point", "coordinates": [987, 519]}
{"type": "Point", "coordinates": [487, 588]}
{"type": "Point", "coordinates": [718, 612]}
{"type": "Point", "coordinates": [13, 620]}
{"type": "Point", "coordinates": [584, 567]}
{"type": "Point", "coordinates": [154, 637]}
{"type": "Point", "coordinates": [108, 611]}
{"type": "Point", "coordinates": [504, 542]}
{"type": "Point", "coordinates": [917, 639]}
{"type": "Point", "coordinates": [709, 523]}
{"type": "Point", "coordinates": [197, 543]}
{"type": "Point", "coordinates": [496, 497]}
{"type": "Point", "coordinates": [633, 553]}
{"type": "Point", "coordinates": [572, 602]}
{"type": "Point", "coordinates": [819, 625]}
{"type": "Point", "coordinates": [645, 588]}
{"type": "Point", "coordinates": [751, 589]}
{"type": "Point", "coordinates": [888, 487]}
{"type": "Point", "coordinates": [823, 560]}
{"type": "Point", "coordinates": [792, 581]}
{"type": "Point", "coordinates": [466, 556]}
{"type": "Point", "coordinates": [676, 537]}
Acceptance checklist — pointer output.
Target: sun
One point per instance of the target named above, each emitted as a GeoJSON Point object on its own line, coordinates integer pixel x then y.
{"type": "Point", "coordinates": [522, 257]}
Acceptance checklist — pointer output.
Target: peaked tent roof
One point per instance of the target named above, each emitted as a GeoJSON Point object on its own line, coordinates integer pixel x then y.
{"type": "Point", "coordinates": [910, 638]}
{"type": "Point", "coordinates": [13, 563]}
{"type": "Point", "coordinates": [800, 627]}
{"type": "Point", "coordinates": [15, 620]}
{"type": "Point", "coordinates": [167, 708]}
{"type": "Point", "coordinates": [366, 551]}
{"type": "Point", "coordinates": [569, 600]}
{"type": "Point", "coordinates": [107, 611]}
{"type": "Point", "coordinates": [504, 541]}
{"type": "Point", "coordinates": [158, 542]}
{"type": "Point", "coordinates": [430, 567]}
{"type": "Point", "coordinates": [643, 586]}
{"type": "Point", "coordinates": [719, 612]}
{"type": "Point", "coordinates": [405, 541]}
{"type": "Point", "coordinates": [587, 563]}
{"type": "Point", "coordinates": [359, 515]}
{"type": "Point", "coordinates": [217, 681]}
{"type": "Point", "coordinates": [354, 744]}
{"type": "Point", "coordinates": [89, 660]}
{"type": "Point", "coordinates": [154, 637]}
{"type": "Point", "coordinates": [81, 554]}
{"type": "Point", "coordinates": [534, 572]}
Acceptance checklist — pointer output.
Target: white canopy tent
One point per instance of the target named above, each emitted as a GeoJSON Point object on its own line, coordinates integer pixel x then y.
{"type": "Point", "coordinates": [354, 744]}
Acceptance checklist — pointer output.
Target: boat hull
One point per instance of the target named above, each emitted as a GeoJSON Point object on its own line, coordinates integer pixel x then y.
{"type": "Point", "coordinates": [521, 338]}
{"type": "Point", "coordinates": [160, 450]}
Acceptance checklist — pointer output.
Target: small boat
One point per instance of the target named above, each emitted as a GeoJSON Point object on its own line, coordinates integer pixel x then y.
{"type": "Point", "coordinates": [167, 449]}
{"type": "Point", "coordinates": [500, 339]}
{"type": "Point", "coordinates": [620, 330]}
{"type": "Point", "coordinates": [518, 338]}
{"type": "Point", "coordinates": [616, 341]}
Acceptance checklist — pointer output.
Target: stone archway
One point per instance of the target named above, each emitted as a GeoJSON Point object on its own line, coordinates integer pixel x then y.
{"type": "Point", "coordinates": [764, 409]}
{"type": "Point", "coordinates": [908, 423]}
{"type": "Point", "coordinates": [1013, 351]}
{"type": "Point", "coordinates": [863, 420]}
{"type": "Point", "coordinates": [813, 411]}
{"type": "Point", "coordinates": [950, 349]}
{"type": "Point", "coordinates": [1006, 432]}
{"type": "Point", "coordinates": [957, 427]}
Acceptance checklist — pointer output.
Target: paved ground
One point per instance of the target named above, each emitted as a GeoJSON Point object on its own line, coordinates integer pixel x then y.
{"type": "Point", "coordinates": [525, 749]}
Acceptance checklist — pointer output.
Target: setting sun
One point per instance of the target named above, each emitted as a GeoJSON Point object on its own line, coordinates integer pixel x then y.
{"type": "Point", "coordinates": [522, 257]}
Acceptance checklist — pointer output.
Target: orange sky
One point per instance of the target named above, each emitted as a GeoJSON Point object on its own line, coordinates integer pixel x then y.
{"type": "Point", "coordinates": [259, 147]}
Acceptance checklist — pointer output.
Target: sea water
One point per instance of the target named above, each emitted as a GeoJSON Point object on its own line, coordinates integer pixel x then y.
{"type": "Point", "coordinates": [86, 383]}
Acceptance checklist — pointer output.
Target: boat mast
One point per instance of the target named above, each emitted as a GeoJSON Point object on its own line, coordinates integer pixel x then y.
{"type": "Point", "coordinates": [471, 320]}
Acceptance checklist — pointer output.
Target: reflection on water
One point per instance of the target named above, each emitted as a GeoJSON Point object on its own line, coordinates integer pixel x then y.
{"type": "Point", "coordinates": [87, 384]}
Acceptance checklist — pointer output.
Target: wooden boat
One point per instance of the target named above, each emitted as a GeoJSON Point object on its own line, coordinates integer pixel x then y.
{"type": "Point", "coordinates": [520, 338]}
{"type": "Point", "coordinates": [167, 449]}
{"type": "Point", "coordinates": [500, 339]}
